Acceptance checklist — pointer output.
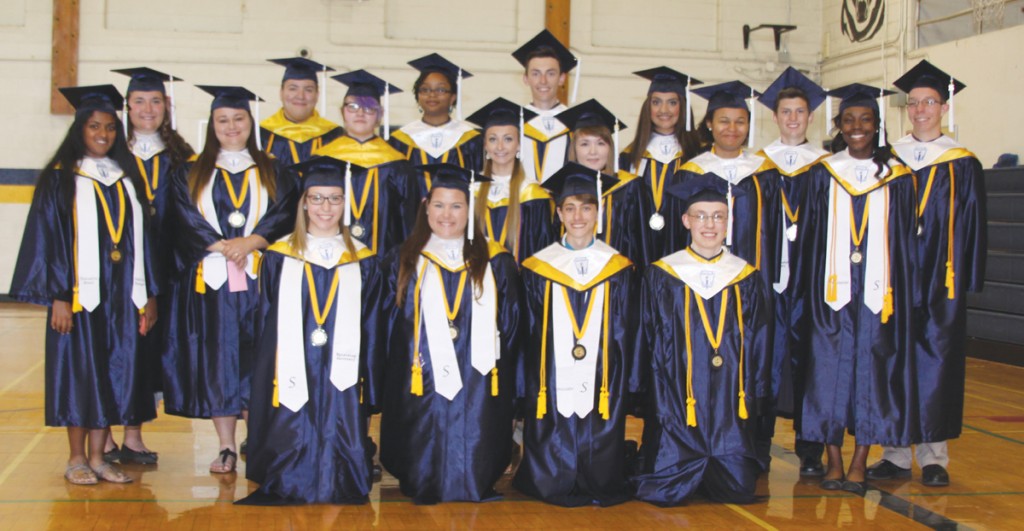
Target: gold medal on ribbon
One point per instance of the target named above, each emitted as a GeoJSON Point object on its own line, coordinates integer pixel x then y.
{"type": "Point", "coordinates": [236, 219]}
{"type": "Point", "coordinates": [657, 221]}
{"type": "Point", "coordinates": [579, 352]}
{"type": "Point", "coordinates": [116, 255]}
{"type": "Point", "coordinates": [318, 338]}
{"type": "Point", "coordinates": [453, 331]}
{"type": "Point", "coordinates": [357, 231]}
{"type": "Point", "coordinates": [856, 256]}
{"type": "Point", "coordinates": [717, 361]}
{"type": "Point", "coordinates": [857, 236]}
{"type": "Point", "coordinates": [115, 232]}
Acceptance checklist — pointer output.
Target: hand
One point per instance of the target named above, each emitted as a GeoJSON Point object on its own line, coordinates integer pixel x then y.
{"type": "Point", "coordinates": [238, 249]}
{"type": "Point", "coordinates": [60, 317]}
{"type": "Point", "coordinates": [148, 317]}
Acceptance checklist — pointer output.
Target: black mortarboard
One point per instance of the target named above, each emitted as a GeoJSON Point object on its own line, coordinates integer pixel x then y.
{"type": "Point", "coordinates": [91, 98]}
{"type": "Point", "coordinates": [577, 179]}
{"type": "Point", "coordinates": [546, 40]}
{"type": "Point", "coordinates": [665, 79]}
{"type": "Point", "coordinates": [500, 112]}
{"type": "Point", "coordinates": [793, 78]}
{"type": "Point", "coordinates": [444, 175]}
{"type": "Point", "coordinates": [858, 95]}
{"type": "Point", "coordinates": [705, 187]}
{"type": "Point", "coordinates": [925, 74]}
{"type": "Point", "coordinates": [362, 83]}
{"type": "Point", "coordinates": [229, 96]}
{"type": "Point", "coordinates": [323, 171]}
{"type": "Point", "coordinates": [146, 79]}
{"type": "Point", "coordinates": [436, 63]}
{"type": "Point", "coordinates": [589, 114]}
{"type": "Point", "coordinates": [301, 68]}
{"type": "Point", "coordinates": [731, 94]}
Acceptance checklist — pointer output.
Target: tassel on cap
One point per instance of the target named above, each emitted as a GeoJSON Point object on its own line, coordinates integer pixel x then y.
{"type": "Point", "coordinates": [600, 204]}
{"type": "Point", "coordinates": [256, 123]}
{"type": "Point", "coordinates": [689, 110]}
{"type": "Point", "coordinates": [827, 122]}
{"type": "Point", "coordinates": [952, 122]}
{"type": "Point", "coordinates": [753, 119]}
{"type": "Point", "coordinates": [576, 83]}
{"type": "Point", "coordinates": [472, 203]}
{"type": "Point", "coordinates": [881, 118]}
{"type": "Point", "coordinates": [348, 194]}
{"type": "Point", "coordinates": [174, 107]}
{"type": "Point", "coordinates": [458, 95]}
{"type": "Point", "coordinates": [387, 112]}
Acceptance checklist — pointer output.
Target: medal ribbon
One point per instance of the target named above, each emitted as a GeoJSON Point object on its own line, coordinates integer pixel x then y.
{"type": "Point", "coordinates": [236, 200]}
{"type": "Point", "coordinates": [357, 210]}
{"type": "Point", "coordinates": [490, 228]}
{"type": "Point", "coordinates": [658, 185]}
{"type": "Point", "coordinates": [716, 339]}
{"type": "Point", "coordinates": [150, 189]}
{"type": "Point", "coordinates": [452, 313]}
{"type": "Point", "coordinates": [792, 215]}
{"type": "Point", "coordinates": [578, 332]}
{"type": "Point", "coordinates": [318, 314]}
{"type": "Point", "coordinates": [115, 234]}
{"type": "Point", "coordinates": [858, 235]}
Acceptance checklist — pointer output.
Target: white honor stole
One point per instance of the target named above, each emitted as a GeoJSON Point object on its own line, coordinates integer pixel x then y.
{"type": "Point", "coordinates": [436, 140]}
{"type": "Point", "coordinates": [107, 173]}
{"type": "Point", "coordinates": [706, 278]}
{"type": "Point", "coordinates": [557, 144]}
{"type": "Point", "coordinates": [734, 171]}
{"type": "Point", "coordinates": [837, 250]}
{"type": "Point", "coordinates": [575, 379]}
{"type": "Point", "coordinates": [215, 267]}
{"type": "Point", "coordinates": [485, 347]}
{"type": "Point", "coordinates": [918, 155]}
{"type": "Point", "coordinates": [345, 332]}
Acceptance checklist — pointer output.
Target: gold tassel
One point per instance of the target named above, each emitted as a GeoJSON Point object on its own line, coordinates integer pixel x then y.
{"type": "Point", "coordinates": [362, 384]}
{"type": "Point", "coordinates": [691, 412]}
{"type": "Point", "coordinates": [743, 405]}
{"type": "Point", "coordinates": [276, 399]}
{"type": "Point", "coordinates": [602, 406]}
{"type": "Point", "coordinates": [542, 402]}
{"type": "Point", "coordinates": [76, 305]}
{"type": "Point", "coordinates": [200, 283]}
{"type": "Point", "coordinates": [887, 305]}
{"type": "Point", "coordinates": [832, 293]}
{"type": "Point", "coordinates": [950, 284]}
{"type": "Point", "coordinates": [256, 258]}
{"type": "Point", "coordinates": [417, 380]}
{"type": "Point", "coordinates": [494, 381]}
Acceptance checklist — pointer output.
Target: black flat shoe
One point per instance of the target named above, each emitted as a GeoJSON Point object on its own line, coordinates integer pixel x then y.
{"type": "Point", "coordinates": [113, 455]}
{"type": "Point", "coordinates": [885, 469]}
{"type": "Point", "coordinates": [832, 484]}
{"type": "Point", "coordinates": [934, 476]}
{"type": "Point", "coordinates": [134, 457]}
{"type": "Point", "coordinates": [244, 447]}
{"type": "Point", "coordinates": [811, 467]}
{"type": "Point", "coordinates": [855, 487]}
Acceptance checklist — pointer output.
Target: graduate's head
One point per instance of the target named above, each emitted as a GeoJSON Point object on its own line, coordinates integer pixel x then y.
{"type": "Point", "coordinates": [148, 111]}
{"type": "Point", "coordinates": [501, 121]}
{"type": "Point", "coordinates": [707, 219]}
{"type": "Point", "coordinates": [95, 130]}
{"type": "Point", "coordinates": [576, 192]}
{"type": "Point", "coordinates": [792, 97]}
{"type": "Point", "coordinates": [726, 123]}
{"type": "Point", "coordinates": [858, 125]}
{"type": "Point", "coordinates": [447, 207]}
{"type": "Point", "coordinates": [592, 143]}
{"type": "Point", "coordinates": [578, 214]}
{"type": "Point", "coordinates": [300, 86]}
{"type": "Point", "coordinates": [928, 93]}
{"type": "Point", "coordinates": [323, 208]}
{"type": "Point", "coordinates": [436, 88]}
{"type": "Point", "coordinates": [322, 201]}
{"type": "Point", "coordinates": [666, 96]}
{"type": "Point", "coordinates": [231, 124]}
{"type": "Point", "coordinates": [501, 145]}
{"type": "Point", "coordinates": [361, 115]}
{"type": "Point", "coordinates": [546, 61]}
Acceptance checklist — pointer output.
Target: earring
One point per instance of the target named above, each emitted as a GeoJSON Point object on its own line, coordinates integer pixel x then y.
{"type": "Point", "coordinates": [418, 108]}
{"type": "Point", "coordinates": [517, 154]}
{"type": "Point", "coordinates": [487, 156]}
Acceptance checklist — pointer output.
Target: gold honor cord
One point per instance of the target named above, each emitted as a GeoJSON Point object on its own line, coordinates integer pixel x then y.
{"type": "Point", "coordinates": [578, 351]}
{"type": "Point", "coordinates": [792, 215]}
{"type": "Point", "coordinates": [490, 227]}
{"type": "Point", "coordinates": [319, 336]}
{"type": "Point", "coordinates": [742, 408]}
{"type": "Point", "coordinates": [115, 232]}
{"type": "Point", "coordinates": [452, 313]}
{"type": "Point", "coordinates": [950, 282]}
{"type": "Point", "coordinates": [716, 338]}
{"type": "Point", "coordinates": [542, 395]}
{"type": "Point", "coordinates": [150, 186]}
{"type": "Point", "coordinates": [602, 405]}
{"type": "Point", "coordinates": [416, 387]}
{"type": "Point", "coordinates": [857, 235]}
{"type": "Point", "coordinates": [832, 287]}
{"type": "Point", "coordinates": [236, 200]}
{"type": "Point", "coordinates": [887, 306]}
{"type": "Point", "coordinates": [658, 185]}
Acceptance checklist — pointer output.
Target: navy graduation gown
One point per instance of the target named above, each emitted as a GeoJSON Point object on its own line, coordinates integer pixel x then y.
{"type": "Point", "coordinates": [942, 331]}
{"type": "Point", "coordinates": [95, 377]}
{"type": "Point", "coordinates": [319, 454]}
{"type": "Point", "coordinates": [211, 335]}
{"type": "Point", "coordinates": [292, 143]}
{"type": "Point", "coordinates": [392, 198]}
{"type": "Point", "coordinates": [673, 236]}
{"type": "Point", "coordinates": [624, 222]}
{"type": "Point", "coordinates": [441, 450]}
{"type": "Point", "coordinates": [538, 226]}
{"type": "Point", "coordinates": [717, 457]}
{"type": "Point", "coordinates": [466, 153]}
{"type": "Point", "coordinates": [859, 375]}
{"type": "Point", "coordinates": [578, 461]}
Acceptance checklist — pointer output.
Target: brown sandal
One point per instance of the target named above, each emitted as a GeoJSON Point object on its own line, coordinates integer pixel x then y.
{"type": "Point", "coordinates": [80, 474]}
{"type": "Point", "coordinates": [224, 466]}
{"type": "Point", "coordinates": [109, 472]}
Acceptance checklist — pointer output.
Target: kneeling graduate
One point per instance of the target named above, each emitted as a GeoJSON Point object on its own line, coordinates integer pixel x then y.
{"type": "Point", "coordinates": [705, 323]}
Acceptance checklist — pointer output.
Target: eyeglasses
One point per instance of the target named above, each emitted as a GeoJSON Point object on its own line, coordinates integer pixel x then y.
{"type": "Point", "coordinates": [318, 199]}
{"type": "Point", "coordinates": [703, 217]}
{"type": "Point", "coordinates": [928, 103]}
{"type": "Point", "coordinates": [355, 108]}
{"type": "Point", "coordinates": [440, 91]}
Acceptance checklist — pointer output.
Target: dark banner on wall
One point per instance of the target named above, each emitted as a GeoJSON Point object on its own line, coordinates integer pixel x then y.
{"type": "Point", "coordinates": [862, 18]}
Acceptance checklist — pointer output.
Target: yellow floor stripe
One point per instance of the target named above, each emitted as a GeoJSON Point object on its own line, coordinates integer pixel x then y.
{"type": "Point", "coordinates": [749, 516]}
{"type": "Point", "coordinates": [19, 379]}
{"type": "Point", "coordinates": [22, 455]}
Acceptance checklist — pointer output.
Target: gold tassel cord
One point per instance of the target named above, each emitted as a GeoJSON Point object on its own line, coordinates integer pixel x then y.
{"type": "Point", "coordinates": [691, 402]}
{"type": "Point", "coordinates": [542, 395]}
{"type": "Point", "coordinates": [603, 406]}
{"type": "Point", "coordinates": [416, 387]}
{"type": "Point", "coordinates": [742, 410]}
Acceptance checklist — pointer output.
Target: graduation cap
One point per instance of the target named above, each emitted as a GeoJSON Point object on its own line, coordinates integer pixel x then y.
{"type": "Point", "coordinates": [860, 95]}
{"type": "Point", "coordinates": [577, 179]}
{"type": "Point", "coordinates": [592, 114]}
{"type": "Point", "coordinates": [91, 98]}
{"type": "Point", "coordinates": [302, 68]}
{"type": "Point", "coordinates": [328, 171]}
{"type": "Point", "coordinates": [730, 95]}
{"type": "Point", "coordinates": [232, 97]}
{"type": "Point", "coordinates": [144, 79]}
{"type": "Point", "coordinates": [793, 78]}
{"type": "Point", "coordinates": [446, 175]}
{"type": "Point", "coordinates": [362, 83]}
{"type": "Point", "coordinates": [925, 74]}
{"type": "Point", "coordinates": [547, 44]}
{"type": "Point", "coordinates": [437, 63]}
{"type": "Point", "coordinates": [665, 79]}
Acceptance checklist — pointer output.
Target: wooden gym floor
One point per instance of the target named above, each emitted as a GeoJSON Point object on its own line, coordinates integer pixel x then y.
{"type": "Point", "coordinates": [987, 472]}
